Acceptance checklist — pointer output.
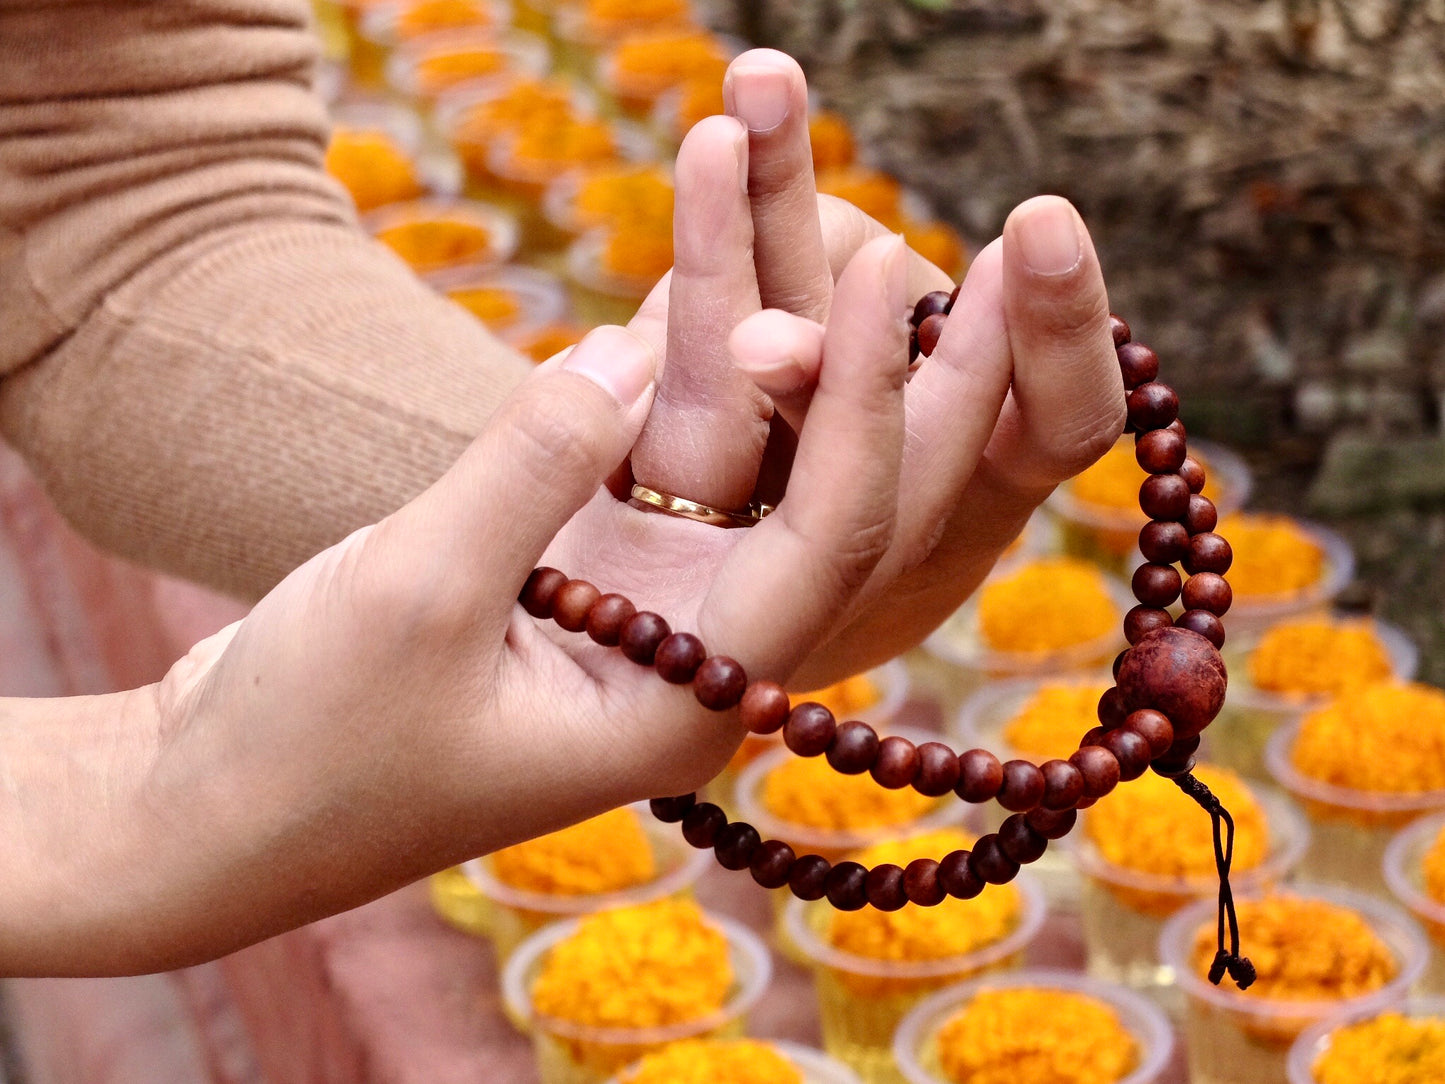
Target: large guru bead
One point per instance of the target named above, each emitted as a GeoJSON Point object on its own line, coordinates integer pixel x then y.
{"type": "Point", "coordinates": [1177, 672]}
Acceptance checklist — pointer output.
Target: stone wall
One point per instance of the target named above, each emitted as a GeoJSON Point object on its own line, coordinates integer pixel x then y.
{"type": "Point", "coordinates": [1265, 178]}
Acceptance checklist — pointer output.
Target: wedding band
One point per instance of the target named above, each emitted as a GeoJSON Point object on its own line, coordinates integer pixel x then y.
{"type": "Point", "coordinates": [702, 513]}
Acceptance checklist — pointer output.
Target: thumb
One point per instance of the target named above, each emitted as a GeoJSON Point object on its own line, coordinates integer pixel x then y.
{"type": "Point", "coordinates": [476, 534]}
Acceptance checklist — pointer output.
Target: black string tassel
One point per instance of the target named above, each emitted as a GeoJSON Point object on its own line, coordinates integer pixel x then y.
{"type": "Point", "coordinates": [1226, 960]}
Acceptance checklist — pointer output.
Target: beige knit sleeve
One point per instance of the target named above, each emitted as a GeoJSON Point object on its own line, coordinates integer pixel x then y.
{"type": "Point", "coordinates": [212, 370]}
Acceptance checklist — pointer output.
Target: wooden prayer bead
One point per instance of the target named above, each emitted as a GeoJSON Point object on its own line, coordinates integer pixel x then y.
{"type": "Point", "coordinates": [641, 633]}
{"type": "Point", "coordinates": [764, 707]}
{"type": "Point", "coordinates": [1023, 786]}
{"type": "Point", "coordinates": [571, 604]}
{"type": "Point", "coordinates": [719, 683]}
{"type": "Point", "coordinates": [809, 729]}
{"type": "Point", "coordinates": [809, 877]}
{"type": "Point", "coordinates": [980, 776]}
{"type": "Point", "coordinates": [854, 748]}
{"type": "Point", "coordinates": [772, 863]}
{"type": "Point", "coordinates": [884, 887]}
{"type": "Point", "coordinates": [937, 769]}
{"type": "Point", "coordinates": [897, 763]}
{"type": "Point", "coordinates": [606, 618]}
{"type": "Point", "coordinates": [540, 589]}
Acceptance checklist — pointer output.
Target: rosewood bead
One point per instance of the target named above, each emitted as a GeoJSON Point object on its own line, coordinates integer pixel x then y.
{"type": "Point", "coordinates": [1208, 591]}
{"type": "Point", "coordinates": [1130, 750]}
{"type": "Point", "coordinates": [1137, 364]}
{"type": "Point", "coordinates": [1099, 767]}
{"type": "Point", "coordinates": [605, 619]}
{"type": "Point", "coordinates": [930, 303]}
{"type": "Point", "coordinates": [1092, 736]}
{"type": "Point", "coordinates": [1202, 516]}
{"type": "Point", "coordinates": [1159, 451]}
{"type": "Point", "coordinates": [1118, 662]}
{"type": "Point", "coordinates": [672, 810]}
{"type": "Point", "coordinates": [1164, 496]}
{"type": "Point", "coordinates": [809, 729]}
{"type": "Point", "coordinates": [1156, 585]}
{"type": "Point", "coordinates": [921, 884]}
{"type": "Point", "coordinates": [678, 657]}
{"type": "Point", "coordinates": [1205, 623]}
{"type": "Point", "coordinates": [1119, 329]}
{"type": "Point", "coordinates": [1176, 426]}
{"type": "Point", "coordinates": [1163, 541]}
{"type": "Point", "coordinates": [772, 863]}
{"type": "Point", "coordinates": [1052, 823]}
{"type": "Point", "coordinates": [956, 875]}
{"type": "Point", "coordinates": [1142, 620]}
{"type": "Point", "coordinates": [912, 345]}
{"type": "Point", "coordinates": [937, 769]}
{"type": "Point", "coordinates": [884, 887]}
{"type": "Point", "coordinates": [854, 749]}
{"type": "Point", "coordinates": [702, 823]}
{"type": "Point", "coordinates": [1152, 405]}
{"type": "Point", "coordinates": [809, 877]}
{"type": "Point", "coordinates": [1019, 841]}
{"type": "Point", "coordinates": [990, 862]}
{"type": "Point", "coordinates": [764, 707]}
{"type": "Point", "coordinates": [1208, 552]}
{"type": "Point", "coordinates": [847, 886]}
{"type": "Point", "coordinates": [1111, 710]}
{"type": "Point", "coordinates": [1178, 760]}
{"type": "Point", "coordinates": [735, 845]}
{"type": "Point", "coordinates": [569, 608]}
{"type": "Point", "coordinates": [1023, 786]}
{"type": "Point", "coordinates": [929, 333]}
{"type": "Point", "coordinates": [719, 683]}
{"type": "Point", "coordinates": [540, 589]}
{"type": "Point", "coordinates": [980, 776]}
{"type": "Point", "coordinates": [1063, 785]}
{"type": "Point", "coordinates": [1176, 672]}
{"type": "Point", "coordinates": [897, 763]}
{"type": "Point", "coordinates": [641, 633]}
{"type": "Point", "coordinates": [1154, 727]}
{"type": "Point", "coordinates": [1192, 471]}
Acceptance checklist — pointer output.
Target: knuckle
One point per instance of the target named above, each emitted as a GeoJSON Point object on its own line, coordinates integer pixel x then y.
{"type": "Point", "coordinates": [544, 432]}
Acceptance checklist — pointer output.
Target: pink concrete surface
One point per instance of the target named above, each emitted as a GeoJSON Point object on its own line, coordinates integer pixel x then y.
{"type": "Point", "coordinates": [387, 994]}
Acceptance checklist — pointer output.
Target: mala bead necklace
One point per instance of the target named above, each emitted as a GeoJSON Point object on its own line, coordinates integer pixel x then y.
{"type": "Point", "coordinates": [1169, 685]}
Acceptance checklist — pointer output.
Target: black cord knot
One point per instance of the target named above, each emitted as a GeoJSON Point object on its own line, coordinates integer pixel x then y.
{"type": "Point", "coordinates": [1226, 960]}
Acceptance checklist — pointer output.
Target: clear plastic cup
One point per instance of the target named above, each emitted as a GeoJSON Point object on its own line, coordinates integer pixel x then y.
{"type": "Point", "coordinates": [540, 299]}
{"type": "Point", "coordinates": [387, 25]}
{"type": "Point", "coordinates": [602, 296]}
{"type": "Point", "coordinates": [559, 200]}
{"type": "Point", "coordinates": [1235, 1038]}
{"type": "Point", "coordinates": [517, 913]}
{"type": "Point", "coordinates": [1256, 611]}
{"type": "Point", "coordinates": [1315, 1040]}
{"type": "Point", "coordinates": [862, 1000]}
{"type": "Point", "coordinates": [418, 71]}
{"type": "Point", "coordinates": [915, 1050]}
{"type": "Point", "coordinates": [637, 92]}
{"type": "Point", "coordinates": [1405, 874]}
{"type": "Point", "coordinates": [1250, 716]}
{"type": "Point", "coordinates": [436, 170]}
{"type": "Point", "coordinates": [1349, 829]}
{"type": "Point", "coordinates": [1109, 535]}
{"type": "Point", "coordinates": [1124, 910]}
{"type": "Point", "coordinates": [958, 642]}
{"type": "Point", "coordinates": [893, 684]}
{"type": "Point", "coordinates": [833, 843]}
{"type": "Point", "coordinates": [486, 235]}
{"type": "Point", "coordinates": [981, 723]}
{"type": "Point", "coordinates": [569, 1053]}
{"type": "Point", "coordinates": [457, 900]}
{"type": "Point", "coordinates": [816, 1067]}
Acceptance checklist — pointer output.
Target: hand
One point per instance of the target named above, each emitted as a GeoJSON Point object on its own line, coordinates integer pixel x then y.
{"type": "Point", "coordinates": [1022, 392]}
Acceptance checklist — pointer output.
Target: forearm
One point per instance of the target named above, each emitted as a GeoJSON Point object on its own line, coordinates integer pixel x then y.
{"type": "Point", "coordinates": [209, 366]}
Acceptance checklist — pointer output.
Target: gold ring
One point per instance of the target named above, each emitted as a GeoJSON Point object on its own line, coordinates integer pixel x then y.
{"type": "Point", "coordinates": [702, 513]}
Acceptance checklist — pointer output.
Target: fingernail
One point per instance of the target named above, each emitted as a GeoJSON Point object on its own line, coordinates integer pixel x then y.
{"type": "Point", "coordinates": [1049, 238]}
{"type": "Point", "coordinates": [760, 97]}
{"type": "Point", "coordinates": [615, 360]}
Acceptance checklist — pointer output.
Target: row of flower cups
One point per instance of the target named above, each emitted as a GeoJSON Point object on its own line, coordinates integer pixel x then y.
{"type": "Point", "coordinates": [881, 1019]}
